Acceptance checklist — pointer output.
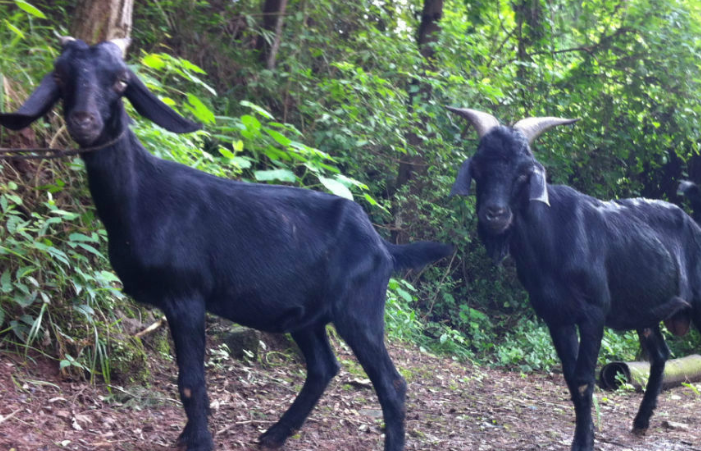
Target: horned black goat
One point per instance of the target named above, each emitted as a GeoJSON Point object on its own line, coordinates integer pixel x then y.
{"type": "Point", "coordinates": [275, 258]}
{"type": "Point", "coordinates": [691, 191]}
{"type": "Point", "coordinates": [586, 264]}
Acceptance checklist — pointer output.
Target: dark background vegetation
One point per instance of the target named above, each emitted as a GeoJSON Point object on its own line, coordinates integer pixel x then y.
{"type": "Point", "coordinates": [352, 101]}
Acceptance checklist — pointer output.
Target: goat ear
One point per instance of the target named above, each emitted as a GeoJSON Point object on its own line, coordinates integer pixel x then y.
{"type": "Point", "coordinates": [150, 107]}
{"type": "Point", "coordinates": [538, 190]}
{"type": "Point", "coordinates": [37, 105]}
{"type": "Point", "coordinates": [462, 183]}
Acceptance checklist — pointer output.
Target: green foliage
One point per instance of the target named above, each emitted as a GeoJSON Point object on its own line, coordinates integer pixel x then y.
{"type": "Point", "coordinates": [400, 317]}
{"type": "Point", "coordinates": [350, 101]}
{"type": "Point", "coordinates": [528, 347]}
{"type": "Point", "coordinates": [56, 286]}
{"type": "Point", "coordinates": [619, 346]}
{"type": "Point", "coordinates": [403, 324]}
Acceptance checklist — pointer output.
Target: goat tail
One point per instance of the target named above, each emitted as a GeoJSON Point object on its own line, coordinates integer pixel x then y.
{"type": "Point", "coordinates": [691, 191]}
{"type": "Point", "coordinates": [417, 255]}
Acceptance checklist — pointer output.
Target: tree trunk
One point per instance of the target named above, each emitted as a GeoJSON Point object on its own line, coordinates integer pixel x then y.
{"type": "Point", "coordinates": [529, 19]}
{"type": "Point", "coordinates": [415, 166]}
{"type": "Point", "coordinates": [98, 20]}
{"type": "Point", "coordinates": [273, 14]}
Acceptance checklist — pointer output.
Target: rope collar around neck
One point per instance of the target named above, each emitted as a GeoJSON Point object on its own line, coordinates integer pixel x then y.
{"type": "Point", "coordinates": [48, 153]}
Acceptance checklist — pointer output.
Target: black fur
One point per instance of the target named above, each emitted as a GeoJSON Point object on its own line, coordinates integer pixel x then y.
{"type": "Point", "coordinates": [275, 258]}
{"type": "Point", "coordinates": [691, 191]}
{"type": "Point", "coordinates": [587, 264]}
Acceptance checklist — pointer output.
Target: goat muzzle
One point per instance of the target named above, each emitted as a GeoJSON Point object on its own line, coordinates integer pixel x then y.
{"type": "Point", "coordinates": [495, 219]}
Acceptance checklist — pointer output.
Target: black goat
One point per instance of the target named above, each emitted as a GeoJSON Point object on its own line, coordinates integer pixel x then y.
{"type": "Point", "coordinates": [691, 191]}
{"type": "Point", "coordinates": [275, 258]}
{"type": "Point", "coordinates": [626, 264]}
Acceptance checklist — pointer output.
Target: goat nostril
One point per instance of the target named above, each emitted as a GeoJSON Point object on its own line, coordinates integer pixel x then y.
{"type": "Point", "coordinates": [82, 118]}
{"type": "Point", "coordinates": [494, 213]}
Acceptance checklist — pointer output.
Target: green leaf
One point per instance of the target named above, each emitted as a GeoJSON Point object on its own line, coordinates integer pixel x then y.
{"type": "Point", "coordinates": [34, 11]}
{"type": "Point", "coordinates": [241, 162]}
{"type": "Point", "coordinates": [6, 282]}
{"type": "Point", "coordinates": [91, 249]}
{"type": "Point", "coordinates": [370, 199]}
{"type": "Point", "coordinates": [284, 175]}
{"type": "Point", "coordinates": [336, 187]}
{"type": "Point", "coordinates": [27, 300]}
{"type": "Point", "coordinates": [81, 237]}
{"type": "Point", "coordinates": [15, 198]}
{"type": "Point", "coordinates": [24, 271]}
{"type": "Point", "coordinates": [279, 137]}
{"type": "Point", "coordinates": [13, 223]}
{"type": "Point", "coordinates": [108, 276]}
{"type": "Point", "coordinates": [250, 122]}
{"type": "Point", "coordinates": [193, 67]}
{"type": "Point", "coordinates": [153, 61]}
{"type": "Point", "coordinates": [199, 109]}
{"type": "Point", "coordinates": [226, 152]}
{"type": "Point", "coordinates": [407, 297]}
{"type": "Point", "coordinates": [257, 109]}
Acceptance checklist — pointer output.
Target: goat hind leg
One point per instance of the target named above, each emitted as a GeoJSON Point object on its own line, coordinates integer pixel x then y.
{"type": "Point", "coordinates": [366, 339]}
{"type": "Point", "coordinates": [186, 322]}
{"type": "Point", "coordinates": [658, 353]}
{"type": "Point", "coordinates": [321, 368]}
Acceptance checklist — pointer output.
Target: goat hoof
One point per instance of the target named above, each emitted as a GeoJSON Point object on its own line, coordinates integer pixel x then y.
{"type": "Point", "coordinates": [588, 447]}
{"type": "Point", "coordinates": [586, 444]}
{"type": "Point", "coordinates": [640, 432]}
{"type": "Point", "coordinates": [190, 441]}
{"type": "Point", "coordinates": [640, 426]}
{"type": "Point", "coordinates": [273, 438]}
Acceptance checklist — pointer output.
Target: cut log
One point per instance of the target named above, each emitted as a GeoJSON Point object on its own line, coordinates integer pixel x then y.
{"type": "Point", "coordinates": [676, 371]}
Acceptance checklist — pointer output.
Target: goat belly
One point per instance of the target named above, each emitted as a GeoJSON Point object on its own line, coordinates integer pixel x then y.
{"type": "Point", "coordinates": [288, 318]}
{"type": "Point", "coordinates": [644, 281]}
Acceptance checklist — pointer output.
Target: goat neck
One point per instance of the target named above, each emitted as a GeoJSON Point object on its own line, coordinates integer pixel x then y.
{"type": "Point", "coordinates": [114, 173]}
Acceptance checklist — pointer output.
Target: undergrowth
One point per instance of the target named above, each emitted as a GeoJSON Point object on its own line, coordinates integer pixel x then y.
{"type": "Point", "coordinates": [57, 292]}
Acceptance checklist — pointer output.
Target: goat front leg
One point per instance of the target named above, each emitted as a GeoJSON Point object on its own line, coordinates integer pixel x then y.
{"type": "Point", "coordinates": [658, 352]}
{"type": "Point", "coordinates": [321, 368]}
{"type": "Point", "coordinates": [567, 345]}
{"type": "Point", "coordinates": [578, 365]}
{"type": "Point", "coordinates": [186, 322]}
{"type": "Point", "coordinates": [581, 383]}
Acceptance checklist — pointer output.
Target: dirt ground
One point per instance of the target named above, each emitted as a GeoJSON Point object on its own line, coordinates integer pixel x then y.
{"type": "Point", "coordinates": [451, 406]}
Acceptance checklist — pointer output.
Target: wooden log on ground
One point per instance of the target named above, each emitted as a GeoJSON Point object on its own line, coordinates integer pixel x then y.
{"type": "Point", "coordinates": [676, 371]}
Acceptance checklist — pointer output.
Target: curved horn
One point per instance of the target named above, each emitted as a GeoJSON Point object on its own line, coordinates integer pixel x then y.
{"type": "Point", "coordinates": [533, 127]}
{"type": "Point", "coordinates": [65, 40]}
{"type": "Point", "coordinates": [122, 43]}
{"type": "Point", "coordinates": [483, 122]}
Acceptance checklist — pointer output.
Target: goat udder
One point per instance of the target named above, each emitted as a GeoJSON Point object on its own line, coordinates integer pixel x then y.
{"type": "Point", "coordinates": [679, 323]}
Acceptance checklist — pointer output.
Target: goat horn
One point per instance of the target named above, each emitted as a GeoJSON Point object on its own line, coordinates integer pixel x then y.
{"type": "Point", "coordinates": [65, 40]}
{"type": "Point", "coordinates": [533, 127]}
{"type": "Point", "coordinates": [122, 43]}
{"type": "Point", "coordinates": [483, 122]}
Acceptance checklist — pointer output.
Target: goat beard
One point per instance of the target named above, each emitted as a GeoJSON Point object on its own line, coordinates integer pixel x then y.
{"type": "Point", "coordinates": [497, 245]}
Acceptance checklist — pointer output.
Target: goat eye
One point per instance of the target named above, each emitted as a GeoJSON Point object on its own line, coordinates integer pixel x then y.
{"type": "Point", "coordinates": [120, 86]}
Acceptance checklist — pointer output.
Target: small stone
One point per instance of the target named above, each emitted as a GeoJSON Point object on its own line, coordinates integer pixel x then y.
{"type": "Point", "coordinates": [241, 339]}
{"type": "Point", "coordinates": [674, 425]}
